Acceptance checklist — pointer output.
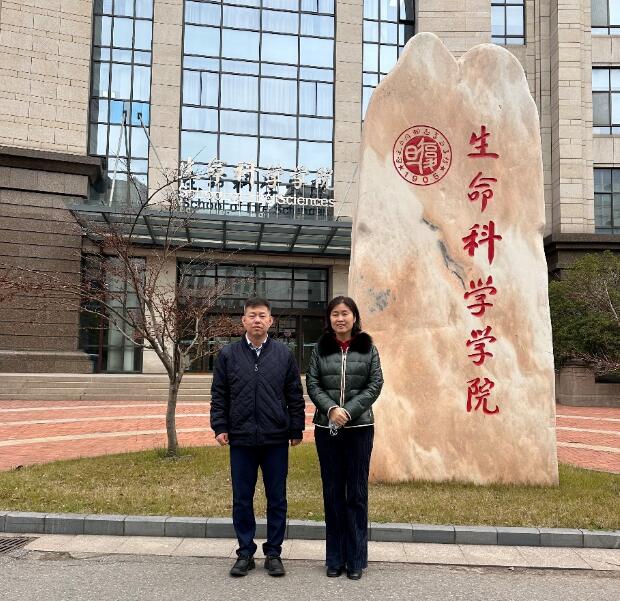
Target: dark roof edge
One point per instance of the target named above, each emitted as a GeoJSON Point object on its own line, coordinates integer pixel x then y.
{"type": "Point", "coordinates": [46, 160]}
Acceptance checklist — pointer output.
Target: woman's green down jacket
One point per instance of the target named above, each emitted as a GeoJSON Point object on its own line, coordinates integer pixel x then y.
{"type": "Point", "coordinates": [362, 379]}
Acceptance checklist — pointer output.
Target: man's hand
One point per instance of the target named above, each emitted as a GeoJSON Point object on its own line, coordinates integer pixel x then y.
{"type": "Point", "coordinates": [295, 442]}
{"type": "Point", "coordinates": [222, 439]}
{"type": "Point", "coordinates": [339, 416]}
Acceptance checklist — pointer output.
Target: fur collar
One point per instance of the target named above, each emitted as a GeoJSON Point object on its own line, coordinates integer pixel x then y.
{"type": "Point", "coordinates": [362, 343]}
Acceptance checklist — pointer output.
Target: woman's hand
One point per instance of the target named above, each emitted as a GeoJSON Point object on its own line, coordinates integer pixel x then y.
{"type": "Point", "coordinates": [339, 416]}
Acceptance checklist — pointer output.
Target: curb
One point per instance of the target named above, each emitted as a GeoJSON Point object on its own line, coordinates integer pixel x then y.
{"type": "Point", "coordinates": [193, 527]}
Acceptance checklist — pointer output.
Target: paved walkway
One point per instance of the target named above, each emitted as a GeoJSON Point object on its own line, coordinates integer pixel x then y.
{"type": "Point", "coordinates": [39, 432]}
{"type": "Point", "coordinates": [418, 553]}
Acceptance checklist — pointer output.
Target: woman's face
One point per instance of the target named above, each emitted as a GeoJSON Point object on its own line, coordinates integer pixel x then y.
{"type": "Point", "coordinates": [342, 320]}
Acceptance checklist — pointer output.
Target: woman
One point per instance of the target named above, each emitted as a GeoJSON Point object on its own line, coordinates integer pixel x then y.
{"type": "Point", "coordinates": [344, 379]}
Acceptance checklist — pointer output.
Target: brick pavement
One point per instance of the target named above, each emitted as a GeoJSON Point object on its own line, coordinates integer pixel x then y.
{"type": "Point", "coordinates": [38, 432]}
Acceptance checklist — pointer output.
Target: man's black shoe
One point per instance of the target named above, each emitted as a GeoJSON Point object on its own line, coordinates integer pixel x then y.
{"type": "Point", "coordinates": [334, 572]}
{"type": "Point", "coordinates": [273, 565]}
{"type": "Point", "coordinates": [354, 574]}
{"type": "Point", "coordinates": [242, 566]}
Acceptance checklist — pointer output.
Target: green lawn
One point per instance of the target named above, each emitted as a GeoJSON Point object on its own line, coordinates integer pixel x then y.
{"type": "Point", "coordinates": [198, 484]}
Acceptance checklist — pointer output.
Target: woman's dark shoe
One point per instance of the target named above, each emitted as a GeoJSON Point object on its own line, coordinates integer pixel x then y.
{"type": "Point", "coordinates": [354, 574]}
{"type": "Point", "coordinates": [242, 566]}
{"type": "Point", "coordinates": [334, 572]}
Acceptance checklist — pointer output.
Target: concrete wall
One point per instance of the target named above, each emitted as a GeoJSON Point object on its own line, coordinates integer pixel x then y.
{"type": "Point", "coordinates": [38, 232]}
{"type": "Point", "coordinates": [45, 74]}
{"type": "Point", "coordinates": [576, 386]}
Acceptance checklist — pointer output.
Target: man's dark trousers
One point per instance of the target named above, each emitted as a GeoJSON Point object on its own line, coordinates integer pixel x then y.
{"type": "Point", "coordinates": [244, 464]}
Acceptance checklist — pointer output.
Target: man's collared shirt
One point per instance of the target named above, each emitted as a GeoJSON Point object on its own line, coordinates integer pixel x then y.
{"type": "Point", "coordinates": [256, 349]}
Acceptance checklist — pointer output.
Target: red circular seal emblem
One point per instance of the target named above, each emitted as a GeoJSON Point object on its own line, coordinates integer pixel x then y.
{"type": "Point", "coordinates": [422, 155]}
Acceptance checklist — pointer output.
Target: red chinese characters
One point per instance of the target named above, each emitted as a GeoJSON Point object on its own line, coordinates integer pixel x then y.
{"type": "Point", "coordinates": [475, 238]}
{"type": "Point", "coordinates": [479, 290]}
{"type": "Point", "coordinates": [479, 340]}
{"type": "Point", "coordinates": [479, 392]}
{"type": "Point", "coordinates": [481, 190]}
{"type": "Point", "coordinates": [481, 144]}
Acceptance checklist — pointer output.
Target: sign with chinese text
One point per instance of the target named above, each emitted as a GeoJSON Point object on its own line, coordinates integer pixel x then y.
{"type": "Point", "coordinates": [452, 280]}
{"type": "Point", "coordinates": [246, 190]}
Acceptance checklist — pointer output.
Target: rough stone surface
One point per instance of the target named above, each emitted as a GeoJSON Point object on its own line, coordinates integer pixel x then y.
{"type": "Point", "coordinates": [410, 272]}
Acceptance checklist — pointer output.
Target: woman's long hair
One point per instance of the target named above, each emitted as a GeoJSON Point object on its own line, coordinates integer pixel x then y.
{"type": "Point", "coordinates": [350, 303]}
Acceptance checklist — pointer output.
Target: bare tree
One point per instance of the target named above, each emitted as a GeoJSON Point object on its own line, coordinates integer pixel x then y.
{"type": "Point", "coordinates": [132, 279]}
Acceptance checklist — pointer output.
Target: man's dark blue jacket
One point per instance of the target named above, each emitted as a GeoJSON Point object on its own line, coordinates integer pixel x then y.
{"type": "Point", "coordinates": [257, 400]}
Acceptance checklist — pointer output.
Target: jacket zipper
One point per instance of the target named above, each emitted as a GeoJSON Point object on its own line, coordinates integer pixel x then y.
{"type": "Point", "coordinates": [343, 378]}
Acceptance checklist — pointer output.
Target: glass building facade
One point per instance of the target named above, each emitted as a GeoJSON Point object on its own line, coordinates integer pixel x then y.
{"type": "Point", "coordinates": [388, 25]}
{"type": "Point", "coordinates": [258, 90]}
{"type": "Point", "coordinates": [121, 93]}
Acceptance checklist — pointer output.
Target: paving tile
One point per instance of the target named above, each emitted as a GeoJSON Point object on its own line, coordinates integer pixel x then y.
{"type": "Point", "coordinates": [553, 557]}
{"type": "Point", "coordinates": [307, 549]}
{"type": "Point", "coordinates": [149, 545]}
{"type": "Point", "coordinates": [206, 547]}
{"type": "Point", "coordinates": [384, 551]}
{"type": "Point", "coordinates": [433, 553]}
{"type": "Point", "coordinates": [601, 559]}
{"type": "Point", "coordinates": [92, 543]}
{"type": "Point", "coordinates": [484, 555]}
{"type": "Point", "coordinates": [285, 554]}
{"type": "Point", "coordinates": [51, 542]}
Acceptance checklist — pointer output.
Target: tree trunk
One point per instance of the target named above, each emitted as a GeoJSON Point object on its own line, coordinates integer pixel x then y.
{"type": "Point", "coordinates": [171, 427]}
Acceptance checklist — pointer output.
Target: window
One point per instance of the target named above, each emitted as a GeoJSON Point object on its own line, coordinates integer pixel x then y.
{"type": "Point", "coordinates": [120, 94]}
{"type": "Point", "coordinates": [607, 201]}
{"type": "Point", "coordinates": [508, 22]}
{"type": "Point", "coordinates": [285, 287]}
{"type": "Point", "coordinates": [606, 100]}
{"type": "Point", "coordinates": [258, 86]}
{"type": "Point", "coordinates": [108, 340]}
{"type": "Point", "coordinates": [387, 27]}
{"type": "Point", "coordinates": [605, 17]}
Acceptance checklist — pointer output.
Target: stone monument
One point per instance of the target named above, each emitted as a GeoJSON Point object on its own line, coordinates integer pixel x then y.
{"type": "Point", "coordinates": [449, 270]}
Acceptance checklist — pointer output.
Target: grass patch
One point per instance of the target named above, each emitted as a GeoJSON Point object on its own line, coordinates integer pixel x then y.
{"type": "Point", "coordinates": [198, 484]}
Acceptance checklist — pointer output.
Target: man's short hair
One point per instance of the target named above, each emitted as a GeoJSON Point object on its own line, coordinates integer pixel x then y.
{"type": "Point", "coordinates": [256, 301]}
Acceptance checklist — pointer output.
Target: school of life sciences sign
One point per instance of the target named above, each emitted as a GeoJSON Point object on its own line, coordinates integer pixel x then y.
{"type": "Point", "coordinates": [255, 191]}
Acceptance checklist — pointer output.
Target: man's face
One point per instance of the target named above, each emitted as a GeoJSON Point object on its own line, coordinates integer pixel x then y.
{"type": "Point", "coordinates": [256, 321]}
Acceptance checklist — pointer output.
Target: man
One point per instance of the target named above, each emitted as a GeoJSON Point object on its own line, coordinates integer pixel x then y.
{"type": "Point", "coordinates": [257, 406]}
